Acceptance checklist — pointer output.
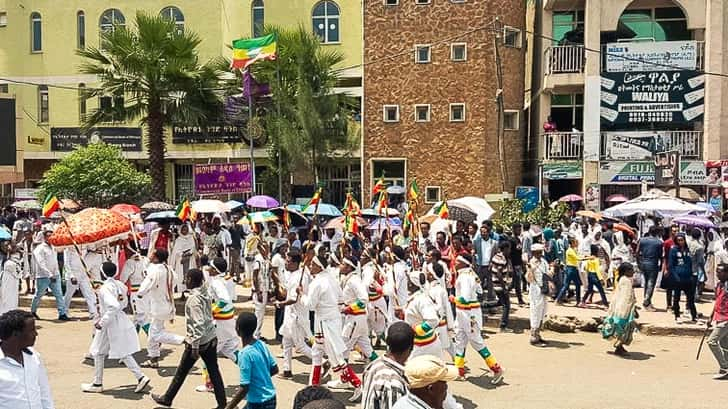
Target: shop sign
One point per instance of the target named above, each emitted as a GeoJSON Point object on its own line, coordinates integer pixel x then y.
{"type": "Point", "coordinates": [562, 170]}
{"type": "Point", "coordinates": [68, 139]}
{"type": "Point", "coordinates": [651, 56]}
{"type": "Point", "coordinates": [208, 134]}
{"type": "Point", "coordinates": [652, 97]}
{"type": "Point", "coordinates": [222, 178]}
{"type": "Point", "coordinates": [691, 172]}
{"type": "Point", "coordinates": [635, 145]}
{"type": "Point", "coordinates": [716, 172]}
{"type": "Point", "coordinates": [26, 193]}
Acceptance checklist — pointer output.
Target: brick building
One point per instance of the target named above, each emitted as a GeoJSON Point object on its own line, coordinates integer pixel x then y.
{"type": "Point", "coordinates": [430, 88]}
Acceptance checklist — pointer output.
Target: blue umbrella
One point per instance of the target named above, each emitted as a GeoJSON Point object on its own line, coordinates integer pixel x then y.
{"type": "Point", "coordinates": [324, 209]}
{"type": "Point", "coordinates": [234, 204]}
{"type": "Point", "coordinates": [5, 235]}
{"type": "Point", "coordinates": [295, 207]}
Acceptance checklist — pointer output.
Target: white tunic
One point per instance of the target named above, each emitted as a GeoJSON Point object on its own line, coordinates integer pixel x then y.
{"type": "Point", "coordinates": [117, 336]}
{"type": "Point", "coordinates": [11, 273]}
{"type": "Point", "coordinates": [295, 316]}
{"type": "Point", "coordinates": [157, 286]}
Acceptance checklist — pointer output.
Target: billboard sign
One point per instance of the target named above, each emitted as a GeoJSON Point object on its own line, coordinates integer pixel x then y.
{"type": "Point", "coordinates": [68, 139]}
{"type": "Point", "coordinates": [222, 178]}
{"type": "Point", "coordinates": [651, 56]}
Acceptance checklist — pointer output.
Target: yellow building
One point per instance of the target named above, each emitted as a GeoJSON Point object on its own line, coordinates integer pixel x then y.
{"type": "Point", "coordinates": [39, 67]}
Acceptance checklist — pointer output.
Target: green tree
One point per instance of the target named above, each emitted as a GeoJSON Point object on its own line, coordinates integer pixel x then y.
{"type": "Point", "coordinates": [154, 69]}
{"type": "Point", "coordinates": [96, 175]}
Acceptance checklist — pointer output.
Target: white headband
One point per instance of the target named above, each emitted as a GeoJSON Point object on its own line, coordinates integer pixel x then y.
{"type": "Point", "coordinates": [318, 262]}
{"type": "Point", "coordinates": [335, 259]}
{"type": "Point", "coordinates": [349, 262]}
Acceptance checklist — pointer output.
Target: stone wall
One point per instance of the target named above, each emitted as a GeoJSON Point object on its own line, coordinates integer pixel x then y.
{"type": "Point", "coordinates": [461, 157]}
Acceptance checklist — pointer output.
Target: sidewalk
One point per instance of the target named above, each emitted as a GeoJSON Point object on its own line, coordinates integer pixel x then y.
{"type": "Point", "coordinates": [560, 318]}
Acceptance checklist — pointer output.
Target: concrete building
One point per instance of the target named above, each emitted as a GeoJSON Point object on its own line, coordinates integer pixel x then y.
{"type": "Point", "coordinates": [623, 80]}
{"type": "Point", "coordinates": [39, 68]}
{"type": "Point", "coordinates": [430, 90]}
{"type": "Point", "coordinates": [11, 154]}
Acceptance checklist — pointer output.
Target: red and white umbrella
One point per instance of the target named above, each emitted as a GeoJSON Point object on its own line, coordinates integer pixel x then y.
{"type": "Point", "coordinates": [617, 198]}
{"type": "Point", "coordinates": [571, 198]}
{"type": "Point", "coordinates": [126, 209]}
{"type": "Point", "coordinates": [91, 227]}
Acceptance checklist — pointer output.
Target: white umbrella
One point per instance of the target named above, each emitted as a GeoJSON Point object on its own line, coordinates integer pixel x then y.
{"type": "Point", "coordinates": [209, 206]}
{"type": "Point", "coordinates": [376, 212]}
{"type": "Point", "coordinates": [659, 204]}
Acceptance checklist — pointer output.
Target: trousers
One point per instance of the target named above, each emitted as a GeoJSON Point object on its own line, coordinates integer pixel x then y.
{"type": "Point", "coordinates": [259, 310]}
{"type": "Point", "coordinates": [86, 291]}
{"type": "Point", "coordinates": [158, 336]}
{"type": "Point", "coordinates": [208, 353]}
{"type": "Point", "coordinates": [718, 344]}
{"type": "Point", "coordinates": [128, 360]}
{"type": "Point", "coordinates": [595, 282]}
{"type": "Point", "coordinates": [572, 276]}
{"type": "Point", "coordinates": [41, 285]}
{"type": "Point", "coordinates": [689, 289]}
{"type": "Point", "coordinates": [649, 270]}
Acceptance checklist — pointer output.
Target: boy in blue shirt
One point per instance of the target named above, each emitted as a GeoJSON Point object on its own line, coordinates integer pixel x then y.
{"type": "Point", "coordinates": [257, 366]}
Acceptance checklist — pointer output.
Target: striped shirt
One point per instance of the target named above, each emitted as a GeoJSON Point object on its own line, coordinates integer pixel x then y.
{"type": "Point", "coordinates": [383, 384]}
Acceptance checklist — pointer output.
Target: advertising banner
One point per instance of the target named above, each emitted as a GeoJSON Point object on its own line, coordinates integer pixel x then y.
{"type": "Point", "coordinates": [652, 97]}
{"type": "Point", "coordinates": [651, 56]}
{"type": "Point", "coordinates": [529, 195]}
{"type": "Point", "coordinates": [666, 168]}
{"type": "Point", "coordinates": [635, 172]}
{"type": "Point", "coordinates": [635, 145]}
{"type": "Point", "coordinates": [562, 170]}
{"type": "Point", "coordinates": [68, 139]}
{"type": "Point", "coordinates": [209, 134]}
{"type": "Point", "coordinates": [222, 178]}
{"type": "Point", "coordinates": [716, 172]}
{"type": "Point", "coordinates": [592, 198]}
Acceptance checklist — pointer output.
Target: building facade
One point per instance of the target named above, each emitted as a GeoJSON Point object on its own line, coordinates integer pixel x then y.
{"type": "Point", "coordinates": [621, 82]}
{"type": "Point", "coordinates": [430, 95]}
{"type": "Point", "coordinates": [39, 68]}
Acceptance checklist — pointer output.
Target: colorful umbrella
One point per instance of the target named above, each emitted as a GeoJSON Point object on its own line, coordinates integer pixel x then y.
{"type": "Point", "coordinates": [338, 223]}
{"type": "Point", "coordinates": [209, 206]}
{"type": "Point", "coordinates": [324, 209]}
{"type": "Point", "coordinates": [262, 201]}
{"type": "Point", "coordinates": [617, 198]}
{"type": "Point", "coordinates": [91, 227]}
{"type": "Point", "coordinates": [396, 190]}
{"type": "Point", "coordinates": [589, 214]}
{"type": "Point", "coordinates": [126, 209]}
{"type": "Point", "coordinates": [694, 221]}
{"type": "Point", "coordinates": [297, 219]}
{"type": "Point", "coordinates": [625, 228]}
{"type": "Point", "coordinates": [157, 206]}
{"type": "Point", "coordinates": [571, 198]}
{"type": "Point", "coordinates": [167, 216]}
{"type": "Point", "coordinates": [259, 217]}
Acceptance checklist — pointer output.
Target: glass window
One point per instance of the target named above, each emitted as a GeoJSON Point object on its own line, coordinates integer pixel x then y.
{"type": "Point", "coordinates": [80, 30]}
{"type": "Point", "coordinates": [568, 27]}
{"type": "Point", "coordinates": [457, 112]}
{"type": "Point", "coordinates": [183, 181]}
{"type": "Point", "coordinates": [4, 88]}
{"type": "Point", "coordinates": [510, 120]}
{"type": "Point", "coordinates": [175, 15]}
{"type": "Point", "coordinates": [3, 19]}
{"type": "Point", "coordinates": [81, 101]}
{"type": "Point", "coordinates": [326, 21]}
{"type": "Point", "coordinates": [660, 24]}
{"type": "Point", "coordinates": [43, 104]}
{"type": "Point", "coordinates": [422, 113]}
{"type": "Point", "coordinates": [392, 170]}
{"type": "Point", "coordinates": [458, 52]}
{"type": "Point", "coordinates": [567, 111]}
{"type": "Point", "coordinates": [36, 31]}
{"type": "Point", "coordinates": [512, 37]}
{"type": "Point", "coordinates": [391, 113]}
{"type": "Point", "coordinates": [432, 194]}
{"type": "Point", "coordinates": [110, 19]}
{"type": "Point", "coordinates": [258, 18]}
{"type": "Point", "coordinates": [422, 54]}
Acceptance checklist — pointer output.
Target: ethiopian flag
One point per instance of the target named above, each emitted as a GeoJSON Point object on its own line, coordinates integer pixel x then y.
{"type": "Point", "coordinates": [413, 192]}
{"type": "Point", "coordinates": [383, 202]}
{"type": "Point", "coordinates": [184, 210]}
{"type": "Point", "coordinates": [351, 224]}
{"type": "Point", "coordinates": [442, 211]}
{"type": "Point", "coordinates": [50, 205]}
{"type": "Point", "coordinates": [379, 186]}
{"type": "Point", "coordinates": [248, 51]}
{"type": "Point", "coordinates": [351, 207]}
{"type": "Point", "coordinates": [314, 200]}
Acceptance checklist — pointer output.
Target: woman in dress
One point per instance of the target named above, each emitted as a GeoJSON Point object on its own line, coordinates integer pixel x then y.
{"type": "Point", "coordinates": [620, 322]}
{"type": "Point", "coordinates": [9, 276]}
{"type": "Point", "coordinates": [184, 256]}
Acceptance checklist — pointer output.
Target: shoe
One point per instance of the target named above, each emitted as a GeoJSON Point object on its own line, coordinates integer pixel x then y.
{"type": "Point", "coordinates": [678, 320]}
{"type": "Point", "coordinates": [286, 375]}
{"type": "Point", "coordinates": [36, 316]}
{"type": "Point", "coordinates": [143, 382]}
{"type": "Point", "coordinates": [151, 363]}
{"type": "Point", "coordinates": [337, 384]}
{"type": "Point", "coordinates": [161, 400]}
{"type": "Point", "coordinates": [356, 395]}
{"type": "Point", "coordinates": [325, 368]}
{"type": "Point", "coordinates": [64, 317]}
{"type": "Point", "coordinates": [620, 351]}
{"type": "Point", "coordinates": [203, 389]}
{"type": "Point", "coordinates": [581, 305]}
{"type": "Point", "coordinates": [506, 330]}
{"type": "Point", "coordinates": [91, 388]}
{"type": "Point", "coordinates": [650, 308]}
{"type": "Point", "coordinates": [497, 377]}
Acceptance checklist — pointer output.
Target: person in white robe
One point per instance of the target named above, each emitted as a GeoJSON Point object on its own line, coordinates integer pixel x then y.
{"type": "Point", "coordinates": [76, 278]}
{"type": "Point", "coordinates": [183, 256]}
{"type": "Point", "coordinates": [132, 276]}
{"type": "Point", "coordinates": [538, 271]}
{"type": "Point", "coordinates": [10, 274]}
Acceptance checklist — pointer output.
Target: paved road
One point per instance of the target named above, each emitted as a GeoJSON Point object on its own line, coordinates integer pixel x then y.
{"type": "Point", "coordinates": [576, 372]}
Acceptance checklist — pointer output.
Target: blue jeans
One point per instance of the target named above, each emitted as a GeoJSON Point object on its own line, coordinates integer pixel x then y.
{"type": "Point", "coordinates": [572, 275]}
{"type": "Point", "coordinates": [269, 404]}
{"type": "Point", "coordinates": [594, 282]}
{"type": "Point", "coordinates": [41, 285]}
{"type": "Point", "coordinates": [650, 271]}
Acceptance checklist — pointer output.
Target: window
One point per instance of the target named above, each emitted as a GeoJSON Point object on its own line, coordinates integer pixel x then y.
{"type": "Point", "coordinates": [391, 2]}
{"type": "Point", "coordinates": [43, 104]}
{"type": "Point", "coordinates": [112, 106]}
{"type": "Point", "coordinates": [4, 89]}
{"type": "Point", "coordinates": [258, 18]}
{"type": "Point", "coordinates": [183, 181]}
{"type": "Point", "coordinates": [660, 24]}
{"type": "Point", "coordinates": [567, 111]}
{"type": "Point", "coordinates": [457, 112]}
{"type": "Point", "coordinates": [422, 2]}
{"type": "Point", "coordinates": [110, 19]}
{"type": "Point", "coordinates": [3, 19]}
{"type": "Point", "coordinates": [81, 101]}
{"type": "Point", "coordinates": [432, 194]}
{"type": "Point", "coordinates": [80, 30]}
{"type": "Point", "coordinates": [458, 51]}
{"type": "Point", "coordinates": [422, 113]}
{"type": "Point", "coordinates": [511, 37]}
{"type": "Point", "coordinates": [36, 33]}
{"type": "Point", "coordinates": [391, 113]}
{"type": "Point", "coordinates": [568, 27]}
{"type": "Point", "coordinates": [326, 21]}
{"type": "Point", "coordinates": [422, 54]}
{"type": "Point", "coordinates": [174, 15]}
{"type": "Point", "coordinates": [510, 120]}
{"type": "Point", "coordinates": [393, 171]}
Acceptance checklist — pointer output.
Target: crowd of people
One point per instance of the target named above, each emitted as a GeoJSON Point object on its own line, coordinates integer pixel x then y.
{"type": "Point", "coordinates": [336, 293]}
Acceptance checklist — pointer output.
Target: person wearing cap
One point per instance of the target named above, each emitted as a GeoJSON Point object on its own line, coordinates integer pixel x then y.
{"type": "Point", "coordinates": [356, 328]}
{"type": "Point", "coordinates": [537, 277]}
{"type": "Point", "coordinates": [115, 335]}
{"type": "Point", "coordinates": [470, 320]}
{"type": "Point", "coordinates": [323, 298]}
{"type": "Point", "coordinates": [420, 313]}
{"type": "Point", "coordinates": [428, 377]}
{"type": "Point", "coordinates": [373, 278]}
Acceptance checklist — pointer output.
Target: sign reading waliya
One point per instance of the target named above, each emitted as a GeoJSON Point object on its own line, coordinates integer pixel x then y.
{"type": "Point", "coordinates": [651, 56]}
{"type": "Point", "coordinates": [652, 97]}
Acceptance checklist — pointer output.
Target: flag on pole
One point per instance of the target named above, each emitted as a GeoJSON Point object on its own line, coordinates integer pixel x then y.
{"type": "Point", "coordinates": [383, 202]}
{"type": "Point", "coordinates": [314, 200]}
{"type": "Point", "coordinates": [379, 186]}
{"type": "Point", "coordinates": [50, 205]}
{"type": "Point", "coordinates": [442, 211]}
{"type": "Point", "coordinates": [184, 210]}
{"type": "Point", "coordinates": [247, 51]}
{"type": "Point", "coordinates": [286, 218]}
{"type": "Point", "coordinates": [414, 191]}
{"type": "Point", "coordinates": [351, 224]}
{"type": "Point", "coordinates": [351, 206]}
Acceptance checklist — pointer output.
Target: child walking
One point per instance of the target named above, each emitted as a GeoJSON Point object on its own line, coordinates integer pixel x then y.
{"type": "Point", "coordinates": [594, 276]}
{"type": "Point", "coordinates": [718, 339]}
{"type": "Point", "coordinates": [620, 322]}
{"type": "Point", "coordinates": [257, 367]}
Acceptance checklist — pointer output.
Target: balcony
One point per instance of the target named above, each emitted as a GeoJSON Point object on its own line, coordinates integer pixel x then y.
{"type": "Point", "coordinates": [564, 59]}
{"type": "Point", "coordinates": [642, 145]}
{"type": "Point", "coordinates": [563, 145]}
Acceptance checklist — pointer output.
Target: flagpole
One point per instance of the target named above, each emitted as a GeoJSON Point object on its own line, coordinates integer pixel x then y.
{"type": "Point", "coordinates": [250, 126]}
{"type": "Point", "coordinates": [280, 151]}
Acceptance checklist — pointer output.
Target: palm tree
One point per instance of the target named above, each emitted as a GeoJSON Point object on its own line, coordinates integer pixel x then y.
{"type": "Point", "coordinates": [153, 74]}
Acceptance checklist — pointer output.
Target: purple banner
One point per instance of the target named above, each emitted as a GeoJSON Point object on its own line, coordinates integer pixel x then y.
{"type": "Point", "coordinates": [217, 178]}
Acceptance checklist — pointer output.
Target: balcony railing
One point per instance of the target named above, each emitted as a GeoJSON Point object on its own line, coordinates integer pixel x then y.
{"type": "Point", "coordinates": [688, 143]}
{"type": "Point", "coordinates": [564, 59]}
{"type": "Point", "coordinates": [563, 145]}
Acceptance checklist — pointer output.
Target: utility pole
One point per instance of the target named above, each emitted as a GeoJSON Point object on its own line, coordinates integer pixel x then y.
{"type": "Point", "coordinates": [500, 104]}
